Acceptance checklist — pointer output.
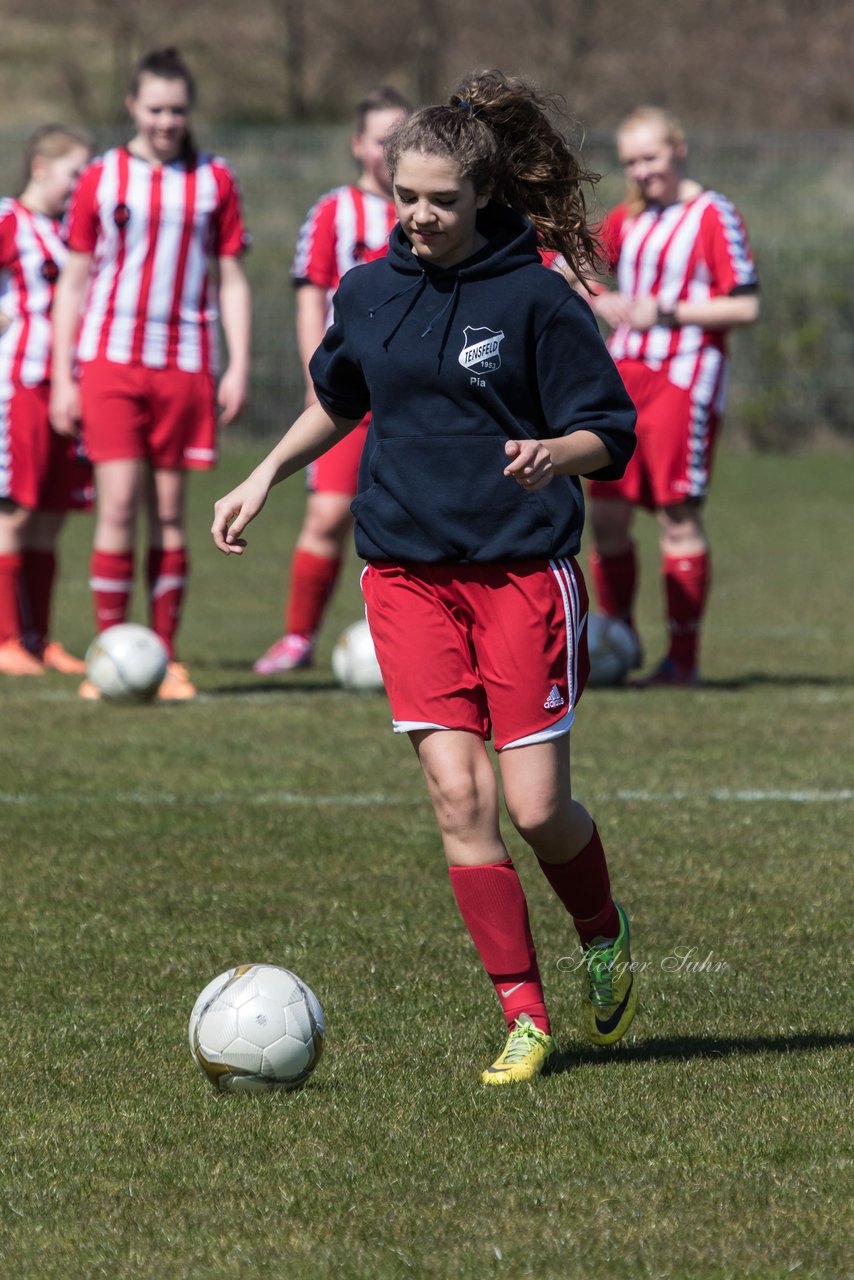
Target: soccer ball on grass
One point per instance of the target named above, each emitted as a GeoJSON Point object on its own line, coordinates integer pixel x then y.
{"type": "Point", "coordinates": [613, 650]}
{"type": "Point", "coordinates": [127, 663]}
{"type": "Point", "coordinates": [354, 660]}
{"type": "Point", "coordinates": [255, 1028]}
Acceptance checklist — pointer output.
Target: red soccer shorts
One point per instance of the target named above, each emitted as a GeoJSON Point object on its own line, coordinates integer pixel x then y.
{"type": "Point", "coordinates": [338, 470]}
{"type": "Point", "coordinates": [39, 469]}
{"type": "Point", "coordinates": [487, 648]}
{"type": "Point", "coordinates": [166, 416]}
{"type": "Point", "coordinates": [676, 432]}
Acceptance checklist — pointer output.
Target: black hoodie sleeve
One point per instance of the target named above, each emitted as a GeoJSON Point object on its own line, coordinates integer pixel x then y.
{"type": "Point", "coordinates": [580, 388]}
{"type": "Point", "coordinates": [337, 374]}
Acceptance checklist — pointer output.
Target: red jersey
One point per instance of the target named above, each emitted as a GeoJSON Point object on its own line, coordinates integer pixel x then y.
{"type": "Point", "coordinates": [31, 257]}
{"type": "Point", "coordinates": [691, 251]}
{"type": "Point", "coordinates": [343, 228]}
{"type": "Point", "coordinates": [153, 231]}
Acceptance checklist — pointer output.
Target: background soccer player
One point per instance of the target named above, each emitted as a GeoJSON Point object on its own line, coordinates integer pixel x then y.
{"type": "Point", "coordinates": [347, 226]}
{"type": "Point", "coordinates": [42, 474]}
{"type": "Point", "coordinates": [156, 233]}
{"type": "Point", "coordinates": [685, 275]}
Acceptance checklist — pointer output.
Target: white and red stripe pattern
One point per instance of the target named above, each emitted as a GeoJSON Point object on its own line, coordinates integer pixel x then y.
{"type": "Point", "coordinates": [575, 618]}
{"type": "Point", "coordinates": [344, 228]}
{"type": "Point", "coordinates": [31, 257]}
{"type": "Point", "coordinates": [153, 231]}
{"type": "Point", "coordinates": [690, 251]}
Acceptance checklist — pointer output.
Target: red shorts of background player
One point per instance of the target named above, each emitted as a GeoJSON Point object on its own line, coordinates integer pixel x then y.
{"type": "Point", "coordinates": [338, 470]}
{"type": "Point", "coordinates": [44, 471]}
{"type": "Point", "coordinates": [486, 648]}
{"type": "Point", "coordinates": [676, 432]}
{"type": "Point", "coordinates": [166, 416]}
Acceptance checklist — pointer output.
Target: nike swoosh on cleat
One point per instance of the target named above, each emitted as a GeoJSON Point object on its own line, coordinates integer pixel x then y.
{"type": "Point", "coordinates": [510, 991]}
{"type": "Point", "coordinates": [610, 1023]}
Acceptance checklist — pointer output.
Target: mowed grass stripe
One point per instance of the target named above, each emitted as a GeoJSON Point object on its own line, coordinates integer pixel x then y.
{"type": "Point", "coordinates": [155, 847]}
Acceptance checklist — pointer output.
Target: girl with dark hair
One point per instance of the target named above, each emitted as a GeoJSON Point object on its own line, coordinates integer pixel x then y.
{"type": "Point", "coordinates": [345, 227]}
{"type": "Point", "coordinates": [491, 394]}
{"type": "Point", "coordinates": [156, 233]}
{"type": "Point", "coordinates": [42, 475]}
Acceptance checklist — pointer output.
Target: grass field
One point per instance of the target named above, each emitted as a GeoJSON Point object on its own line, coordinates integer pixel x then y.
{"type": "Point", "coordinates": [146, 849]}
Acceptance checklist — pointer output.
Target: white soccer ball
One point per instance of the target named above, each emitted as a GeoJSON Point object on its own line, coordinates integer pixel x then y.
{"type": "Point", "coordinates": [354, 659]}
{"type": "Point", "coordinates": [257, 1027]}
{"type": "Point", "coordinates": [613, 650]}
{"type": "Point", "coordinates": [127, 662]}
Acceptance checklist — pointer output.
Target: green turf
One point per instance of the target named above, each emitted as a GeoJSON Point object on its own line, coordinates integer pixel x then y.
{"type": "Point", "coordinates": [144, 850]}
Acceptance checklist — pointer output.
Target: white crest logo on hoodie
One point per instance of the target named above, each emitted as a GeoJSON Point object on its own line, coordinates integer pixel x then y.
{"type": "Point", "coordinates": [481, 351]}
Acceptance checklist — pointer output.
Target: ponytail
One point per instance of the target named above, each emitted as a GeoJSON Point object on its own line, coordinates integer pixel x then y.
{"type": "Point", "coordinates": [499, 130]}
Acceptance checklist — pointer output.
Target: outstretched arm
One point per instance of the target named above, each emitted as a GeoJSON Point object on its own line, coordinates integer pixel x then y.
{"type": "Point", "coordinates": [314, 431]}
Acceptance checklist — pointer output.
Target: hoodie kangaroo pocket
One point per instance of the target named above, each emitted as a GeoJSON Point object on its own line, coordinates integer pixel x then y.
{"type": "Point", "coordinates": [446, 498]}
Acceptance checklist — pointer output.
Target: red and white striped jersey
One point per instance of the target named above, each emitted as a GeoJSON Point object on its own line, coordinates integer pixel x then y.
{"type": "Point", "coordinates": [344, 228]}
{"type": "Point", "coordinates": [691, 251]}
{"type": "Point", "coordinates": [31, 256]}
{"type": "Point", "coordinates": [153, 231]}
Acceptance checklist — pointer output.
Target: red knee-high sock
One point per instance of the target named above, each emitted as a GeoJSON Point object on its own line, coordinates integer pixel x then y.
{"type": "Point", "coordinates": [39, 574]}
{"type": "Point", "coordinates": [111, 581]}
{"type": "Point", "coordinates": [10, 585]}
{"type": "Point", "coordinates": [686, 586]}
{"type": "Point", "coordinates": [615, 579]}
{"type": "Point", "coordinates": [492, 904]}
{"type": "Point", "coordinates": [584, 888]}
{"type": "Point", "coordinates": [166, 574]}
{"type": "Point", "coordinates": [312, 582]}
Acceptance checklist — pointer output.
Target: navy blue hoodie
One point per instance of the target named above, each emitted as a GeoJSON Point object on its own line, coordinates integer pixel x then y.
{"type": "Point", "coordinates": [452, 363]}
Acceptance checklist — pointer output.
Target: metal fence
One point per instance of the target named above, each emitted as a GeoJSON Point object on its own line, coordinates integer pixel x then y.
{"type": "Point", "coordinates": [793, 373]}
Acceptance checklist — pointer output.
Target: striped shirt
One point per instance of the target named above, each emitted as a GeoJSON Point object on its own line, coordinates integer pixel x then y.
{"type": "Point", "coordinates": [345, 227]}
{"type": "Point", "coordinates": [154, 231]}
{"type": "Point", "coordinates": [31, 256]}
{"type": "Point", "coordinates": [690, 251]}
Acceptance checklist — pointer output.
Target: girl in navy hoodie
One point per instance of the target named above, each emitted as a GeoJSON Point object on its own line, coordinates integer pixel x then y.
{"type": "Point", "coordinates": [491, 394]}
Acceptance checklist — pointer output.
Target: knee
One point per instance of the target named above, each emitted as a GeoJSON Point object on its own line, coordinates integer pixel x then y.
{"type": "Point", "coordinates": [539, 819]}
{"type": "Point", "coordinates": [461, 801]}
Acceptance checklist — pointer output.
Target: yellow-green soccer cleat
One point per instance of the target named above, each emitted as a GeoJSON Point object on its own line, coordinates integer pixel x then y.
{"type": "Point", "coordinates": [610, 995]}
{"type": "Point", "coordinates": [526, 1052]}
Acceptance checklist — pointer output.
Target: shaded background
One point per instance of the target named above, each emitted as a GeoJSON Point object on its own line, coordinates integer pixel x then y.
{"type": "Point", "coordinates": [763, 86]}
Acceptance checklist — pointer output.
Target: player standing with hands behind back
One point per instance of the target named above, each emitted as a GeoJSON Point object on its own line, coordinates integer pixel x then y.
{"type": "Point", "coordinates": [155, 234]}
{"type": "Point", "coordinates": [685, 275]}
{"type": "Point", "coordinates": [346, 227]}
{"type": "Point", "coordinates": [42, 475]}
{"type": "Point", "coordinates": [491, 393]}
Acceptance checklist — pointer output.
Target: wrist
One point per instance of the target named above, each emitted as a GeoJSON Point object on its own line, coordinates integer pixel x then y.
{"type": "Point", "coordinates": [666, 316]}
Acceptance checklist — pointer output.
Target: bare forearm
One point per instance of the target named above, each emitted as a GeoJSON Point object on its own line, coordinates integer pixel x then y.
{"type": "Point", "coordinates": [718, 313]}
{"type": "Point", "coordinates": [236, 312]}
{"type": "Point", "coordinates": [311, 326]}
{"type": "Point", "coordinates": [314, 431]}
{"type": "Point", "coordinates": [578, 454]}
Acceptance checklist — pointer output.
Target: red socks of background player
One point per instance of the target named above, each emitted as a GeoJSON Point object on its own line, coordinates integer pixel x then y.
{"type": "Point", "coordinates": [111, 582]}
{"type": "Point", "coordinates": [492, 904]}
{"type": "Point", "coordinates": [686, 586]}
{"type": "Point", "coordinates": [312, 582]}
{"type": "Point", "coordinates": [616, 579]}
{"type": "Point", "coordinates": [166, 573]}
{"type": "Point", "coordinates": [10, 576]}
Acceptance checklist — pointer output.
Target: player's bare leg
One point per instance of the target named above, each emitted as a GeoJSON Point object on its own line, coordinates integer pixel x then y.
{"type": "Point", "coordinates": [464, 792]}
{"type": "Point", "coordinates": [564, 838]}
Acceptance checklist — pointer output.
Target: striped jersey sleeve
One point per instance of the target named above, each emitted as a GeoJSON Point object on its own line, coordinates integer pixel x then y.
{"type": "Point", "coordinates": [726, 248]}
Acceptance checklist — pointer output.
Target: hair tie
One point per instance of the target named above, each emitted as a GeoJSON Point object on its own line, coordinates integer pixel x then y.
{"type": "Point", "coordinates": [466, 106]}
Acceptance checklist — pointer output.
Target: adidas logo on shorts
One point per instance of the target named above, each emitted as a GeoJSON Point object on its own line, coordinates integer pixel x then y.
{"type": "Point", "coordinates": [554, 700]}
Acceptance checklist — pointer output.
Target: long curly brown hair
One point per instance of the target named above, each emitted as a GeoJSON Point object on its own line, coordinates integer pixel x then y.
{"type": "Point", "coordinates": [499, 130]}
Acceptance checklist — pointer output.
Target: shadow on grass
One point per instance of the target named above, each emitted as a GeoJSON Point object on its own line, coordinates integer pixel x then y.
{"type": "Point", "coordinates": [756, 680]}
{"type": "Point", "coordinates": [687, 1048]}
